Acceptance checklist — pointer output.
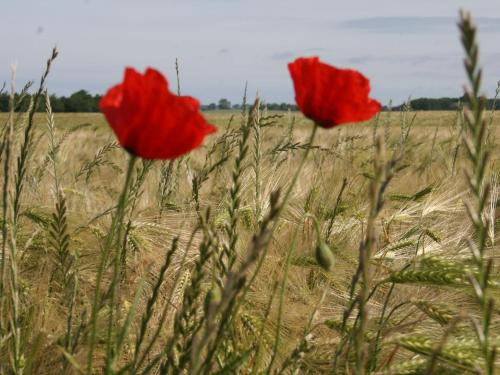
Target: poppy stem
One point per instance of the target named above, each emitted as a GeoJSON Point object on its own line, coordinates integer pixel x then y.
{"type": "Point", "coordinates": [289, 191]}
{"type": "Point", "coordinates": [291, 251]}
{"type": "Point", "coordinates": [115, 226]}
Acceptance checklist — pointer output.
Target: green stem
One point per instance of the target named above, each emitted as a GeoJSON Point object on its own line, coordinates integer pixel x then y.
{"type": "Point", "coordinates": [6, 142]}
{"type": "Point", "coordinates": [282, 296]}
{"type": "Point", "coordinates": [115, 223]}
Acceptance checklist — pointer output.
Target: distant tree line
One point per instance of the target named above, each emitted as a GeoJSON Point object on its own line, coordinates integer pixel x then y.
{"type": "Point", "coordinates": [441, 104]}
{"type": "Point", "coordinates": [80, 101]}
{"type": "Point", "coordinates": [225, 104]}
{"type": "Point", "coordinates": [420, 104]}
{"type": "Point", "coordinates": [83, 101]}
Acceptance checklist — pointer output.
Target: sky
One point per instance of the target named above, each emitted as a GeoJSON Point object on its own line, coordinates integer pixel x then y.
{"type": "Point", "coordinates": [406, 48]}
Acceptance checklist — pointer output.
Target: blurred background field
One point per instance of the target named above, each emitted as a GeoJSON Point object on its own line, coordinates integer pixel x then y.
{"type": "Point", "coordinates": [221, 118]}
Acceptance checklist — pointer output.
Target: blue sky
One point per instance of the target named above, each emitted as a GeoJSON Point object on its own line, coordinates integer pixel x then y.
{"type": "Point", "coordinates": [406, 48]}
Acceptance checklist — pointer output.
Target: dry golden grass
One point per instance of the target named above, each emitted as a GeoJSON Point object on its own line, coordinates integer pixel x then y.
{"type": "Point", "coordinates": [423, 226]}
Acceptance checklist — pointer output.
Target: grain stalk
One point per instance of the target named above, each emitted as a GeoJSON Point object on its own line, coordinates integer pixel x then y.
{"type": "Point", "coordinates": [59, 227]}
{"type": "Point", "coordinates": [383, 175]}
{"type": "Point", "coordinates": [228, 255]}
{"type": "Point", "coordinates": [491, 214]}
{"type": "Point", "coordinates": [459, 126]}
{"type": "Point", "coordinates": [148, 312]}
{"type": "Point", "coordinates": [59, 237]}
{"type": "Point", "coordinates": [232, 295]}
{"type": "Point", "coordinates": [17, 357]}
{"type": "Point", "coordinates": [99, 160]}
{"type": "Point", "coordinates": [209, 166]}
{"type": "Point", "coordinates": [362, 279]}
{"type": "Point", "coordinates": [7, 147]}
{"type": "Point", "coordinates": [375, 350]}
{"type": "Point", "coordinates": [176, 285]}
{"type": "Point", "coordinates": [257, 157]}
{"type": "Point", "coordinates": [335, 209]}
{"type": "Point", "coordinates": [474, 140]}
{"type": "Point", "coordinates": [167, 183]}
{"type": "Point", "coordinates": [387, 124]}
{"type": "Point", "coordinates": [187, 320]}
{"type": "Point", "coordinates": [290, 252]}
{"type": "Point", "coordinates": [6, 212]}
{"type": "Point", "coordinates": [492, 115]}
{"type": "Point", "coordinates": [26, 146]}
{"type": "Point", "coordinates": [166, 187]}
{"type": "Point", "coordinates": [283, 204]}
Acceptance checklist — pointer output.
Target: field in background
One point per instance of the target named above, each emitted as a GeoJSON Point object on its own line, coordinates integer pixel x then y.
{"type": "Point", "coordinates": [420, 255]}
{"type": "Point", "coordinates": [221, 118]}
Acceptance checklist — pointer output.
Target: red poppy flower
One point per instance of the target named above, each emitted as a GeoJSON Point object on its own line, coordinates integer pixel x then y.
{"type": "Point", "coordinates": [331, 96]}
{"type": "Point", "coordinates": [149, 120]}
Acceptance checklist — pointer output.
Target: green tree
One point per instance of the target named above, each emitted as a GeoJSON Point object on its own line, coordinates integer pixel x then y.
{"type": "Point", "coordinates": [224, 104]}
{"type": "Point", "coordinates": [80, 101]}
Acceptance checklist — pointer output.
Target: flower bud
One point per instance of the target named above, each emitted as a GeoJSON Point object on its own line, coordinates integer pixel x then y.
{"type": "Point", "coordinates": [324, 256]}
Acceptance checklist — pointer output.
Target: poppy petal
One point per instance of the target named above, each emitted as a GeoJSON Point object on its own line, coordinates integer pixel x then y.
{"type": "Point", "coordinates": [331, 96]}
{"type": "Point", "coordinates": [149, 120]}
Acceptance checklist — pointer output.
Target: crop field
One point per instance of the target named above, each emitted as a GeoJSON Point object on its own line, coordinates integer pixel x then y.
{"type": "Point", "coordinates": [292, 314]}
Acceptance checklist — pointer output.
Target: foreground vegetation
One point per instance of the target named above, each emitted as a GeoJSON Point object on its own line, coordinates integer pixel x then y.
{"type": "Point", "coordinates": [420, 262]}
{"type": "Point", "coordinates": [378, 259]}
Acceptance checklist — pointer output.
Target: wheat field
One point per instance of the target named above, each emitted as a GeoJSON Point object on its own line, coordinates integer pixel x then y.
{"type": "Point", "coordinates": [291, 316]}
